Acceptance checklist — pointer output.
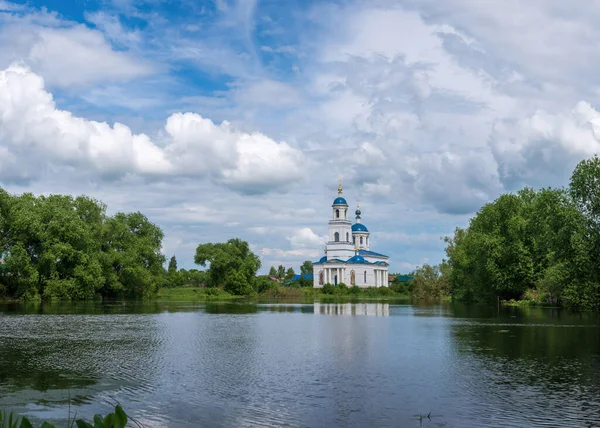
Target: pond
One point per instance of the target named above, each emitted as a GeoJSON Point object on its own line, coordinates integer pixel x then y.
{"type": "Point", "coordinates": [302, 365]}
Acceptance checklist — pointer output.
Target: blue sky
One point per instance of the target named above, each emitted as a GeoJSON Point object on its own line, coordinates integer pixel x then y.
{"type": "Point", "coordinates": [235, 118]}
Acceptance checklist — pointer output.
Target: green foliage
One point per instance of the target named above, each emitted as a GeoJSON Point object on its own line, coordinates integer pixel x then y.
{"type": "Point", "coordinates": [302, 282]}
{"type": "Point", "coordinates": [272, 271]}
{"type": "Point", "coordinates": [281, 272]}
{"type": "Point", "coordinates": [60, 247]}
{"type": "Point", "coordinates": [289, 274]}
{"type": "Point", "coordinates": [540, 245]}
{"type": "Point", "coordinates": [306, 268]}
{"type": "Point", "coordinates": [116, 419]}
{"type": "Point", "coordinates": [401, 287]}
{"type": "Point", "coordinates": [192, 294]}
{"type": "Point", "coordinates": [172, 265]}
{"type": "Point", "coordinates": [231, 265]}
{"type": "Point", "coordinates": [429, 282]}
{"type": "Point", "coordinates": [355, 289]}
{"type": "Point", "coordinates": [328, 289]}
{"type": "Point", "coordinates": [263, 283]}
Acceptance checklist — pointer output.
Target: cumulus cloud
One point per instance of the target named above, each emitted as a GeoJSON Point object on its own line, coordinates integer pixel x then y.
{"type": "Point", "coordinates": [305, 238]}
{"type": "Point", "coordinates": [41, 39]}
{"type": "Point", "coordinates": [35, 133]}
{"type": "Point", "coordinates": [414, 121]}
{"type": "Point", "coordinates": [543, 149]}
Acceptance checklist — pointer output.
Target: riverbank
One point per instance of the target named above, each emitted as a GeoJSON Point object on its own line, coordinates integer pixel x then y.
{"type": "Point", "coordinates": [527, 303]}
{"type": "Point", "coordinates": [191, 294]}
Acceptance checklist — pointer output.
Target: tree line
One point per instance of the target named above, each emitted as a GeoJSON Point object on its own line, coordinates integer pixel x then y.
{"type": "Point", "coordinates": [68, 248]}
{"type": "Point", "coordinates": [542, 245]}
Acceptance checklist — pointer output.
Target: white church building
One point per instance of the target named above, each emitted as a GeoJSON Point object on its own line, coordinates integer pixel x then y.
{"type": "Point", "coordinates": [348, 258]}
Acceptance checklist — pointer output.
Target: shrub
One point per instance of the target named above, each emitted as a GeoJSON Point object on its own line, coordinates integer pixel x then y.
{"type": "Point", "coordinates": [308, 291]}
{"type": "Point", "coordinates": [213, 291]}
{"type": "Point", "coordinates": [341, 288]}
{"type": "Point", "coordinates": [355, 289]}
{"type": "Point", "coordinates": [263, 284]}
{"type": "Point", "coordinates": [328, 289]}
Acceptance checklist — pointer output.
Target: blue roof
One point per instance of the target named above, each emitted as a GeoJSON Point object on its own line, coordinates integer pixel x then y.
{"type": "Point", "coordinates": [359, 227]}
{"type": "Point", "coordinates": [357, 259]}
{"type": "Point", "coordinates": [305, 276]}
{"type": "Point", "coordinates": [321, 260]}
{"type": "Point", "coordinates": [340, 201]}
{"type": "Point", "coordinates": [370, 253]}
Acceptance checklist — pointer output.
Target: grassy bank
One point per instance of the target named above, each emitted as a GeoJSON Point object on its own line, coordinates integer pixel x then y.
{"type": "Point", "coordinates": [280, 292]}
{"type": "Point", "coordinates": [190, 294]}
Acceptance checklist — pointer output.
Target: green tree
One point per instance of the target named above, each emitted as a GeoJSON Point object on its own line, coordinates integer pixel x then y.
{"type": "Point", "coordinates": [429, 282]}
{"type": "Point", "coordinates": [272, 271]}
{"type": "Point", "coordinates": [306, 268]}
{"type": "Point", "coordinates": [540, 243]}
{"type": "Point", "coordinates": [289, 274]}
{"type": "Point", "coordinates": [231, 264]}
{"type": "Point", "coordinates": [281, 272]}
{"type": "Point", "coordinates": [133, 261]}
{"type": "Point", "coordinates": [63, 247]}
{"type": "Point", "coordinates": [172, 265]}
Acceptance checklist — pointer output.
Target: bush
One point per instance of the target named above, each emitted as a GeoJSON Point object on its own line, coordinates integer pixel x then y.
{"type": "Point", "coordinates": [341, 288]}
{"type": "Point", "coordinates": [263, 284]}
{"type": "Point", "coordinates": [308, 291]}
{"type": "Point", "coordinates": [328, 289]}
{"type": "Point", "coordinates": [213, 291]}
{"type": "Point", "coordinates": [401, 287]}
{"type": "Point", "coordinates": [355, 289]}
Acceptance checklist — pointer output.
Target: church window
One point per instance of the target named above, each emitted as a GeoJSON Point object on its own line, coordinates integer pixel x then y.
{"type": "Point", "coordinates": [352, 278]}
{"type": "Point", "coordinates": [361, 240]}
{"type": "Point", "coordinates": [347, 237]}
{"type": "Point", "coordinates": [336, 237]}
{"type": "Point", "coordinates": [337, 213]}
{"type": "Point", "coordinates": [365, 277]}
{"type": "Point", "coordinates": [354, 240]}
{"type": "Point", "coordinates": [320, 277]}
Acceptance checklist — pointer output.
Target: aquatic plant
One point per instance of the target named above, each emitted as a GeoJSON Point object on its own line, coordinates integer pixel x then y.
{"type": "Point", "coordinates": [116, 419]}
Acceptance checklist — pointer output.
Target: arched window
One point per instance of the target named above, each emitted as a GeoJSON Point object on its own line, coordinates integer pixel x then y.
{"type": "Point", "coordinates": [354, 240]}
{"type": "Point", "coordinates": [365, 277]}
{"type": "Point", "coordinates": [347, 237]}
{"type": "Point", "coordinates": [361, 240]}
{"type": "Point", "coordinates": [352, 278]}
{"type": "Point", "coordinates": [367, 241]}
{"type": "Point", "coordinates": [336, 237]}
{"type": "Point", "coordinates": [320, 277]}
{"type": "Point", "coordinates": [337, 213]}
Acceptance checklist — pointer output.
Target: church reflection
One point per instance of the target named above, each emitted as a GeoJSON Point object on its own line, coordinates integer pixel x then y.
{"type": "Point", "coordinates": [353, 309]}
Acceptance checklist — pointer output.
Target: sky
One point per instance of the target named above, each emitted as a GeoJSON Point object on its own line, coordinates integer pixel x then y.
{"type": "Point", "coordinates": [236, 118]}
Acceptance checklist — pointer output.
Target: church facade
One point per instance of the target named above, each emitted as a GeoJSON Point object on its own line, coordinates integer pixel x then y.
{"type": "Point", "coordinates": [348, 258]}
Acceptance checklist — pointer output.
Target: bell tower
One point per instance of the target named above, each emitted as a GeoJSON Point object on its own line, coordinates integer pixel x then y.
{"type": "Point", "coordinates": [340, 228]}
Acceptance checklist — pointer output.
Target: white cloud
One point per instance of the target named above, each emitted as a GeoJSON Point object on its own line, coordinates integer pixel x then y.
{"type": "Point", "coordinates": [544, 148]}
{"type": "Point", "coordinates": [305, 238]}
{"type": "Point", "coordinates": [41, 40]}
{"type": "Point", "coordinates": [37, 133]}
{"type": "Point", "coordinates": [428, 109]}
{"type": "Point", "coordinates": [9, 7]}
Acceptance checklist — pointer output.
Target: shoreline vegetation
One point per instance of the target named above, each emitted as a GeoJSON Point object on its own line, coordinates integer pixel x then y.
{"type": "Point", "coordinates": [306, 294]}
{"type": "Point", "coordinates": [532, 247]}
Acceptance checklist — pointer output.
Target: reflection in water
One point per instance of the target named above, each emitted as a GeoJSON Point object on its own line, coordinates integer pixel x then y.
{"type": "Point", "coordinates": [534, 366]}
{"type": "Point", "coordinates": [369, 309]}
{"type": "Point", "coordinates": [249, 364]}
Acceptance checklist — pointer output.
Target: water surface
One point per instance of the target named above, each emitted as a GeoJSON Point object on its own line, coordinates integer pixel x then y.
{"type": "Point", "coordinates": [302, 365]}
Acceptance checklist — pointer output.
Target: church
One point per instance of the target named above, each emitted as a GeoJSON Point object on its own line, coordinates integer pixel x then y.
{"type": "Point", "coordinates": [348, 257]}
